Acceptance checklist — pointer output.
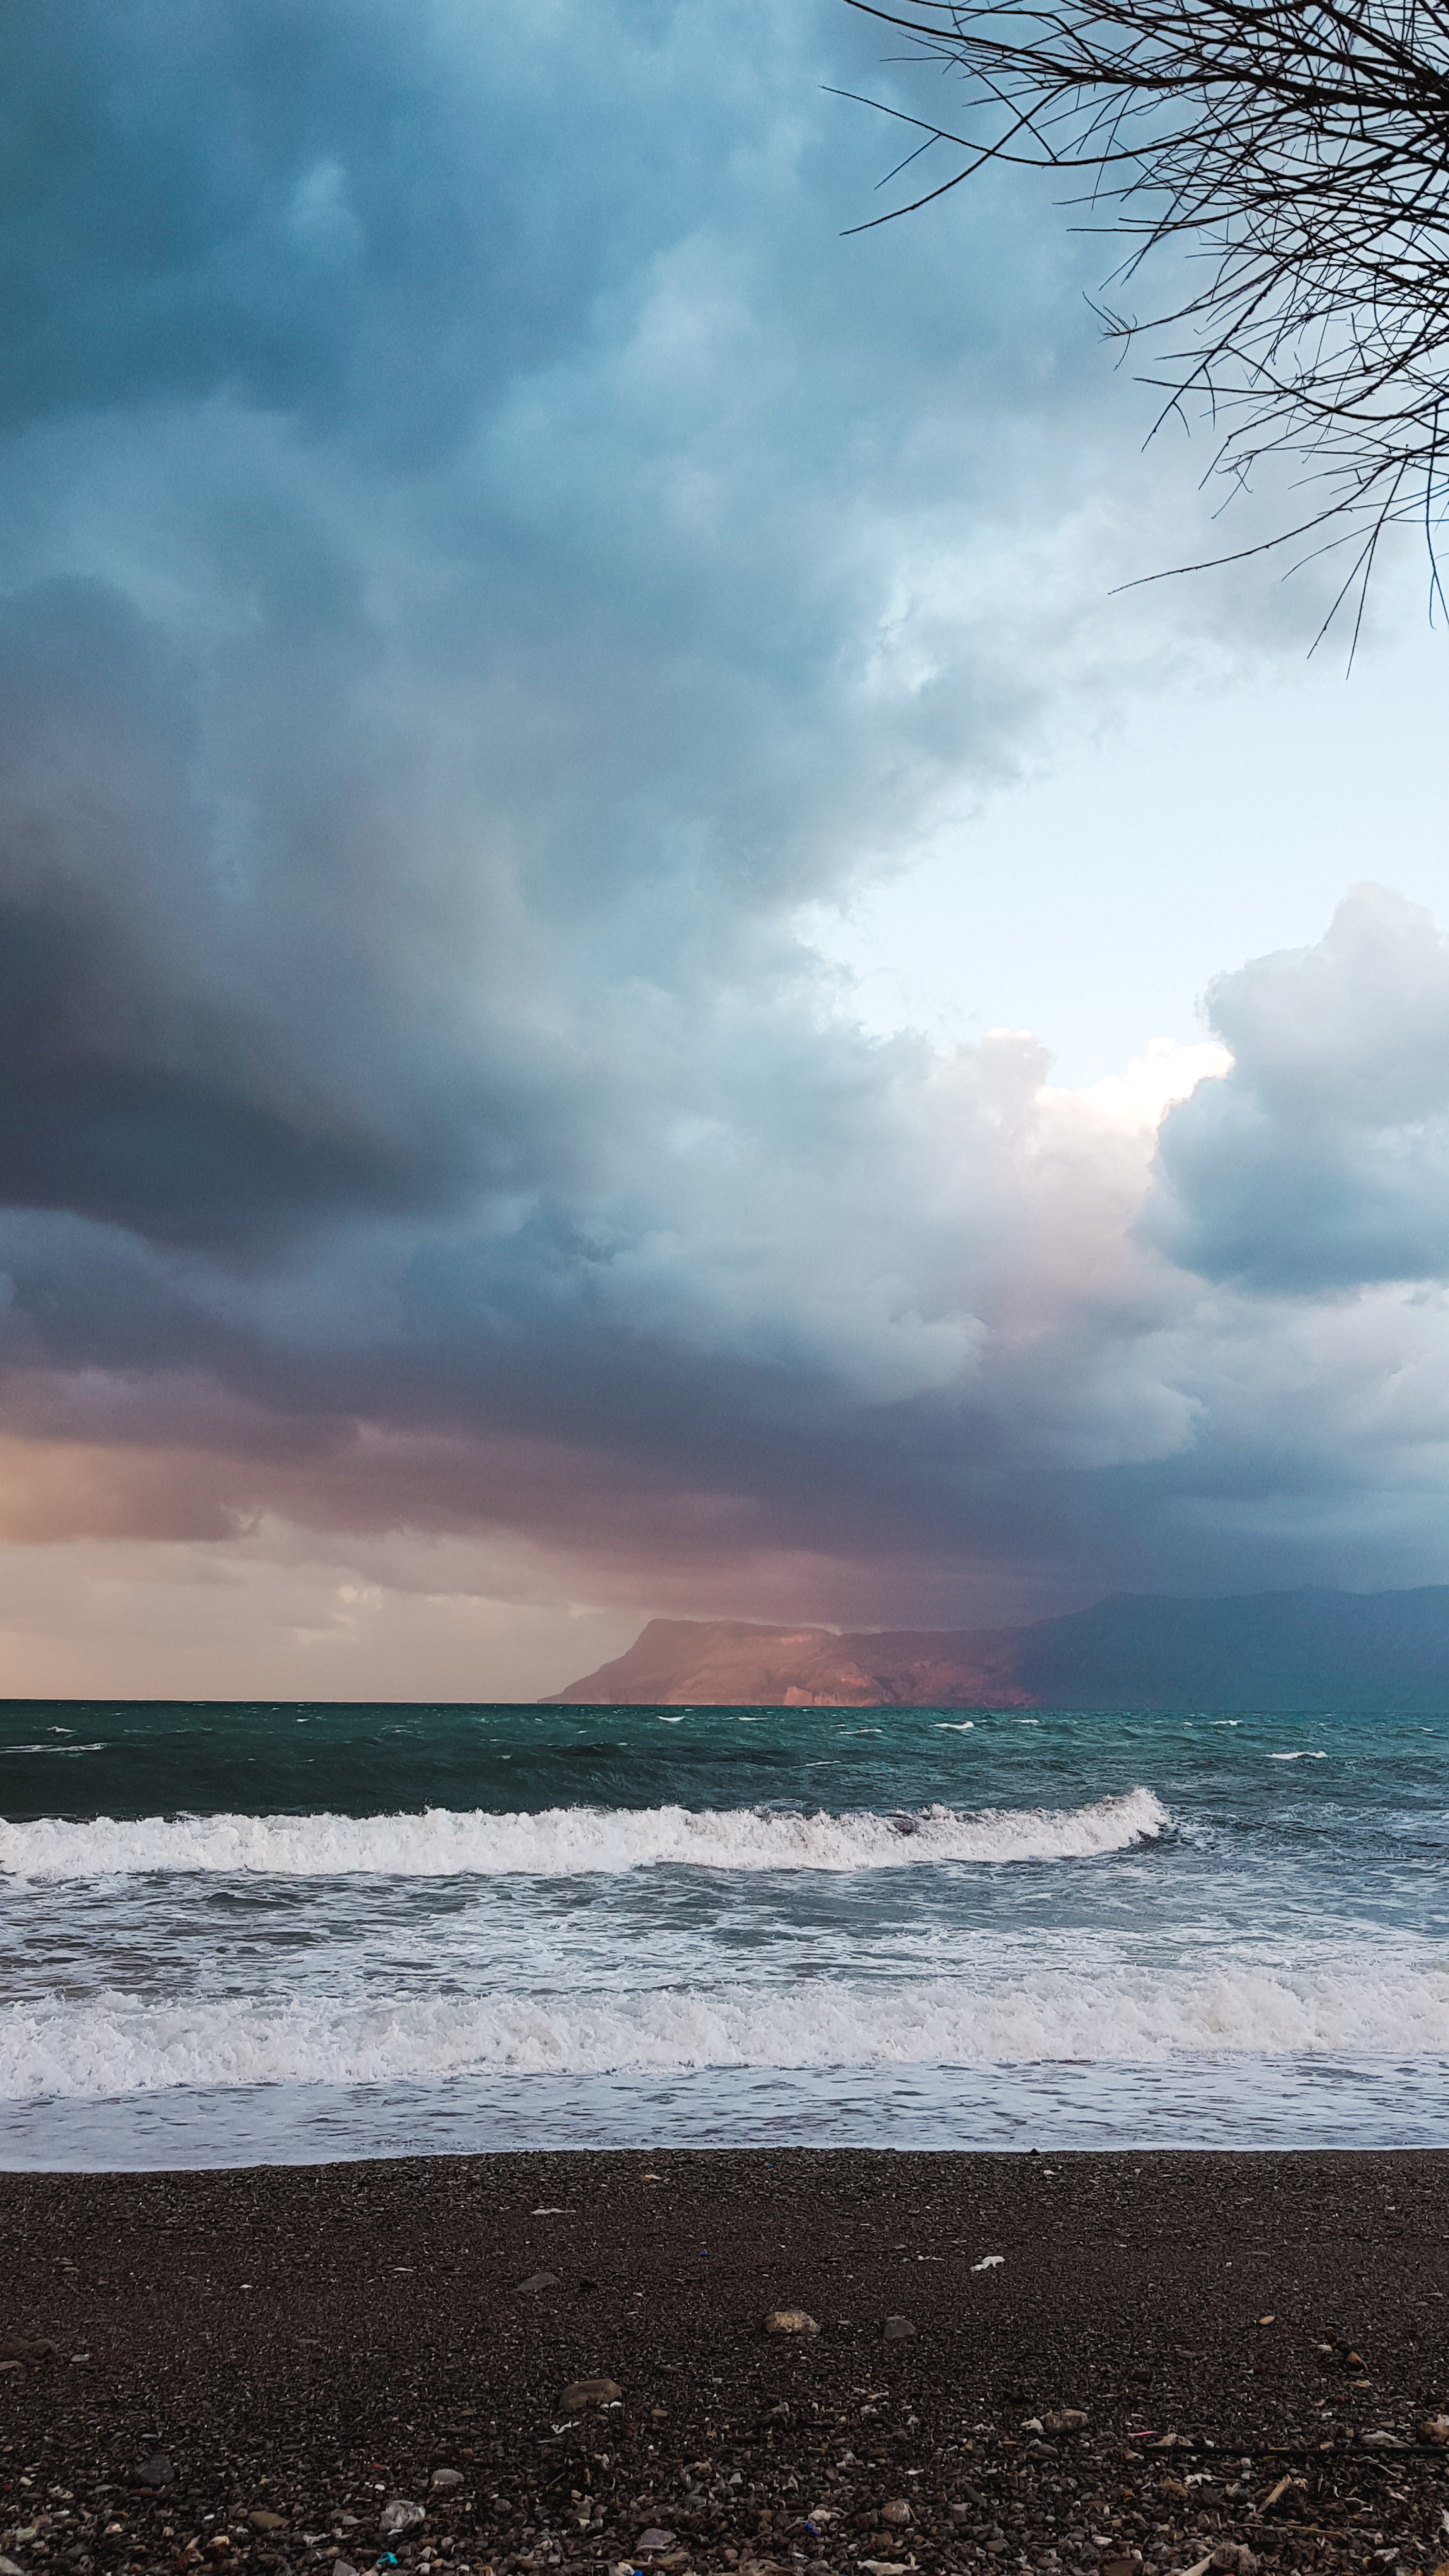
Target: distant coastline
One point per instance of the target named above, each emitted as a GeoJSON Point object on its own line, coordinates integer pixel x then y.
{"type": "Point", "coordinates": [1309, 1650]}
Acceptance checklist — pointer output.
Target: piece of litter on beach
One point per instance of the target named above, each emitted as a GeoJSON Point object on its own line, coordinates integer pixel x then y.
{"type": "Point", "coordinates": [548, 2213]}
{"type": "Point", "coordinates": [988, 2262]}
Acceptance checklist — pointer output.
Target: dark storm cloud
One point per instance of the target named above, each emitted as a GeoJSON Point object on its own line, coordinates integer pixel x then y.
{"type": "Point", "coordinates": [134, 1086]}
{"type": "Point", "coordinates": [288, 204]}
{"type": "Point", "coordinates": [479, 550]}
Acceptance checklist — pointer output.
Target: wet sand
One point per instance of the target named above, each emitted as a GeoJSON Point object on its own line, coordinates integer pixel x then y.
{"type": "Point", "coordinates": [313, 2343]}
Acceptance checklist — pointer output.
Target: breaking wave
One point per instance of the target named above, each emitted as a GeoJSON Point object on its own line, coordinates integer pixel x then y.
{"type": "Point", "coordinates": [115, 2044]}
{"type": "Point", "coordinates": [570, 1841]}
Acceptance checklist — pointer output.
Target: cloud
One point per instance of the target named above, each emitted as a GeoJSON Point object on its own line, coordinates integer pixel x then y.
{"type": "Point", "coordinates": [482, 554]}
{"type": "Point", "coordinates": [1322, 1160]}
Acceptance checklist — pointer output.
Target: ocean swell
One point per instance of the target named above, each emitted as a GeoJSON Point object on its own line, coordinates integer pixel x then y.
{"type": "Point", "coordinates": [570, 1841]}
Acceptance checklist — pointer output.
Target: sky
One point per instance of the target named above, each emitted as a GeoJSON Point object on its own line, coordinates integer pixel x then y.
{"type": "Point", "coordinates": [642, 971]}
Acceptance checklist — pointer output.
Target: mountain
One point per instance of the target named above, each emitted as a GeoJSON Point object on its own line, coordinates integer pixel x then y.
{"type": "Point", "coordinates": [729, 1663]}
{"type": "Point", "coordinates": [1308, 1650]}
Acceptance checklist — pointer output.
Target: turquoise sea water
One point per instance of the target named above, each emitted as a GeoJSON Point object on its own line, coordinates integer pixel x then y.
{"type": "Point", "coordinates": [241, 1934]}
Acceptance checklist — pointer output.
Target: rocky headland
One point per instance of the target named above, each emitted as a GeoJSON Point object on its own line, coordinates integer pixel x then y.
{"type": "Point", "coordinates": [1313, 1650]}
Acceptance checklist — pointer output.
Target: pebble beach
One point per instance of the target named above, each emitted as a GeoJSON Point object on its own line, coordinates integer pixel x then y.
{"type": "Point", "coordinates": [1154, 2361]}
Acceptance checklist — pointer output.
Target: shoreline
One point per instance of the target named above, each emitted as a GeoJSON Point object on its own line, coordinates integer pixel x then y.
{"type": "Point", "coordinates": [310, 2342]}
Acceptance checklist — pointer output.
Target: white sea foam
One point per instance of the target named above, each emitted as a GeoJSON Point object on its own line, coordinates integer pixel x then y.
{"type": "Point", "coordinates": [568, 1841]}
{"type": "Point", "coordinates": [63, 1750]}
{"type": "Point", "coordinates": [1351, 2005]}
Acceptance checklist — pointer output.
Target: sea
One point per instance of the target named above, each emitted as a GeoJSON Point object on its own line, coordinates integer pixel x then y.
{"type": "Point", "coordinates": [291, 1934]}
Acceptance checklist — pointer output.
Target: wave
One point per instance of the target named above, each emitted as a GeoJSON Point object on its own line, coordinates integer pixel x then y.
{"type": "Point", "coordinates": [116, 2044]}
{"type": "Point", "coordinates": [569, 1841]}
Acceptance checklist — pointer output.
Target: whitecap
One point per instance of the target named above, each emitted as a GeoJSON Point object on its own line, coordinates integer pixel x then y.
{"type": "Point", "coordinates": [61, 1752]}
{"type": "Point", "coordinates": [557, 1842]}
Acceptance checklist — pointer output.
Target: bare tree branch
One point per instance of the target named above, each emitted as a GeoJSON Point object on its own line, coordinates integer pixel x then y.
{"type": "Point", "coordinates": [1297, 152]}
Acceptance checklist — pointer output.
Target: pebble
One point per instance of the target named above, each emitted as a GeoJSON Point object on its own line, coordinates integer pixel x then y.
{"type": "Point", "coordinates": [897, 2510]}
{"type": "Point", "coordinates": [155, 2472]}
{"type": "Point", "coordinates": [790, 2321]}
{"type": "Point", "coordinates": [653, 2539]}
{"type": "Point", "coordinates": [447, 2478]}
{"type": "Point", "coordinates": [900, 2330]}
{"type": "Point", "coordinates": [541, 2281]}
{"type": "Point", "coordinates": [265, 2520]}
{"type": "Point", "coordinates": [8, 2567]}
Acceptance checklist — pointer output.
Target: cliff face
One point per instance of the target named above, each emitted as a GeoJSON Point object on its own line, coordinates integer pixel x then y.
{"type": "Point", "coordinates": [729, 1663]}
{"type": "Point", "coordinates": [1312, 1651]}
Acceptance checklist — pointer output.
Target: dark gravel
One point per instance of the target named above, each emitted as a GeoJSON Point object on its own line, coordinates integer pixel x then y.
{"type": "Point", "coordinates": [313, 2344]}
